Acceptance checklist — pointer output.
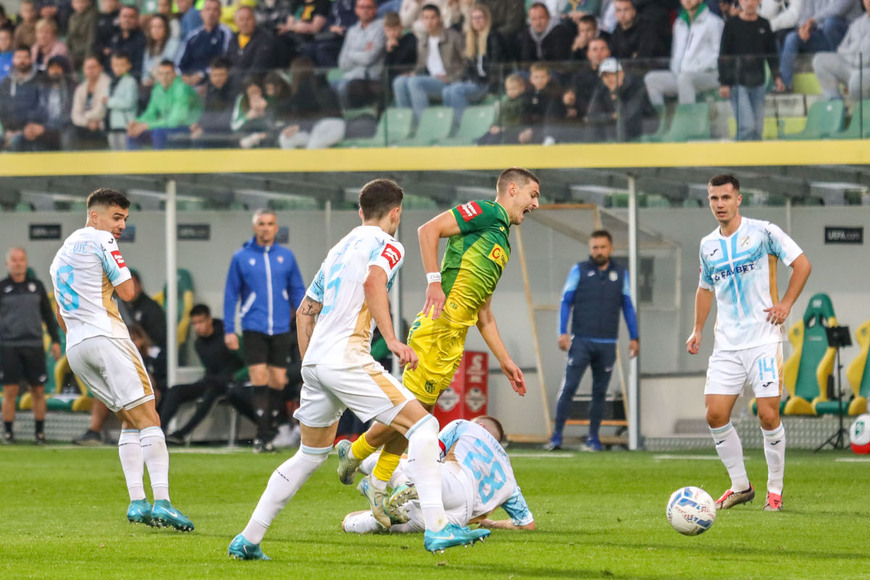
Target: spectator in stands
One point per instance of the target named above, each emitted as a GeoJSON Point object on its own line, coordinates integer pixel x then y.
{"type": "Point", "coordinates": [108, 23]}
{"type": "Point", "coordinates": [297, 32]}
{"type": "Point", "coordinates": [822, 25]}
{"type": "Point", "coordinates": [89, 106]}
{"type": "Point", "coordinates": [155, 361]}
{"type": "Point", "coordinates": [362, 57]}
{"type": "Point", "coordinates": [20, 102]}
{"type": "Point", "coordinates": [850, 65]}
{"type": "Point", "coordinates": [189, 17]}
{"type": "Point", "coordinates": [6, 52]}
{"type": "Point", "coordinates": [160, 45]}
{"type": "Point", "coordinates": [82, 31]}
{"type": "Point", "coordinates": [251, 48]}
{"type": "Point", "coordinates": [746, 40]}
{"type": "Point", "coordinates": [47, 45]}
{"type": "Point", "coordinates": [658, 14]}
{"type": "Point", "coordinates": [543, 109]}
{"type": "Point", "coordinates": [439, 63]}
{"type": "Point", "coordinates": [411, 14]}
{"type": "Point", "coordinates": [619, 104]}
{"type": "Point", "coordinates": [25, 30]}
{"type": "Point", "coordinates": [146, 312]}
{"type": "Point", "coordinates": [508, 16]}
{"type": "Point", "coordinates": [324, 48]}
{"type": "Point", "coordinates": [634, 38]}
{"type": "Point", "coordinates": [24, 308]}
{"type": "Point", "coordinates": [400, 50]}
{"type": "Point", "coordinates": [587, 29]}
{"type": "Point", "coordinates": [545, 39]}
{"type": "Point", "coordinates": [204, 44]}
{"type": "Point", "coordinates": [694, 56]}
{"type": "Point", "coordinates": [164, 8]}
{"type": "Point", "coordinates": [213, 128]}
{"type": "Point", "coordinates": [130, 39]}
{"type": "Point", "coordinates": [582, 85]}
{"type": "Point", "coordinates": [272, 15]}
{"type": "Point", "coordinates": [783, 16]}
{"type": "Point", "coordinates": [5, 22]}
{"type": "Point", "coordinates": [172, 109]}
{"type": "Point", "coordinates": [316, 121]}
{"type": "Point", "coordinates": [221, 364]}
{"type": "Point", "coordinates": [510, 113]}
{"type": "Point", "coordinates": [56, 131]}
{"type": "Point", "coordinates": [122, 102]}
{"type": "Point", "coordinates": [253, 116]}
{"type": "Point", "coordinates": [484, 54]}
{"type": "Point", "coordinates": [58, 11]}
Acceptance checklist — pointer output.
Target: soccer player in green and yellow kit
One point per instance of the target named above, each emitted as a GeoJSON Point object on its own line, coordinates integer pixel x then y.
{"type": "Point", "coordinates": [458, 296]}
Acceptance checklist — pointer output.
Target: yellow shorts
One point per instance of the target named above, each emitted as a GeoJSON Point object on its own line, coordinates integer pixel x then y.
{"type": "Point", "coordinates": [439, 344]}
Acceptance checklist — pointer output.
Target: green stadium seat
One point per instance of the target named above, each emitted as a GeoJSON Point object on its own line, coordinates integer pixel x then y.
{"type": "Point", "coordinates": [859, 126]}
{"type": "Point", "coordinates": [395, 125]}
{"type": "Point", "coordinates": [689, 122]}
{"type": "Point", "coordinates": [808, 369]}
{"type": "Point", "coordinates": [185, 303]}
{"type": "Point", "coordinates": [435, 125]}
{"type": "Point", "coordinates": [475, 123]}
{"type": "Point", "coordinates": [858, 371]}
{"type": "Point", "coordinates": [824, 118]}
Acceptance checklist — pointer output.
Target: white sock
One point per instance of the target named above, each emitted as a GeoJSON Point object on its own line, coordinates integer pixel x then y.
{"type": "Point", "coordinates": [378, 484]}
{"type": "Point", "coordinates": [730, 451]}
{"type": "Point", "coordinates": [424, 471]}
{"type": "Point", "coordinates": [157, 459]}
{"type": "Point", "coordinates": [774, 452]}
{"type": "Point", "coordinates": [368, 464]}
{"type": "Point", "coordinates": [130, 452]}
{"type": "Point", "coordinates": [283, 485]}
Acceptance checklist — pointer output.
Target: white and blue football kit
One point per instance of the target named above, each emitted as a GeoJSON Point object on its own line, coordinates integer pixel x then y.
{"type": "Point", "coordinates": [741, 270]}
{"type": "Point", "coordinates": [338, 369]}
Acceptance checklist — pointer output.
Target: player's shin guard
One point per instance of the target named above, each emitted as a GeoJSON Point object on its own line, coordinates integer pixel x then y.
{"type": "Point", "coordinates": [260, 401]}
{"type": "Point", "coordinates": [361, 448]}
{"type": "Point", "coordinates": [132, 463]}
{"type": "Point", "coordinates": [730, 451]}
{"type": "Point", "coordinates": [283, 485]}
{"type": "Point", "coordinates": [156, 458]}
{"type": "Point", "coordinates": [425, 471]}
{"type": "Point", "coordinates": [774, 452]}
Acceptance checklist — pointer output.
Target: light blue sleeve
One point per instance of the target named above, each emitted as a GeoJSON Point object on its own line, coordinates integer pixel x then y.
{"type": "Point", "coordinates": [517, 508]}
{"type": "Point", "coordinates": [316, 289]}
{"type": "Point", "coordinates": [568, 298]}
{"type": "Point", "coordinates": [113, 263]}
{"type": "Point", "coordinates": [451, 433]}
{"type": "Point", "coordinates": [706, 275]}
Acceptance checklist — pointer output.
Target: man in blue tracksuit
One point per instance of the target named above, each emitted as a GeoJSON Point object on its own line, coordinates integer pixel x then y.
{"type": "Point", "coordinates": [596, 290]}
{"type": "Point", "coordinates": [266, 278]}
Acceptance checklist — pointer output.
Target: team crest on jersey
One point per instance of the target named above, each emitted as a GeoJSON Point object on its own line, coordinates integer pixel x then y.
{"type": "Point", "coordinates": [614, 276]}
{"type": "Point", "coordinates": [469, 210]}
{"type": "Point", "coordinates": [252, 261]}
{"type": "Point", "coordinates": [744, 242]}
{"type": "Point", "coordinates": [498, 255]}
{"type": "Point", "coordinates": [280, 259]}
{"type": "Point", "coordinates": [392, 255]}
{"type": "Point", "coordinates": [119, 259]}
{"type": "Point", "coordinates": [31, 287]}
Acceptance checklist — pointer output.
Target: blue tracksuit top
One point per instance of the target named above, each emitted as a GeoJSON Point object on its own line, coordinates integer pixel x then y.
{"type": "Point", "coordinates": [597, 296]}
{"type": "Point", "coordinates": [268, 281]}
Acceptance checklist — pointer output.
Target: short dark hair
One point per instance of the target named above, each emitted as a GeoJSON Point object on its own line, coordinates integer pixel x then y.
{"type": "Point", "coordinates": [24, 47]}
{"type": "Point", "coordinates": [123, 55]}
{"type": "Point", "coordinates": [724, 179]}
{"type": "Point", "coordinates": [200, 310]}
{"type": "Point", "coordinates": [602, 234]}
{"type": "Point", "coordinates": [106, 197]}
{"type": "Point", "coordinates": [222, 62]}
{"type": "Point", "coordinates": [379, 196]}
{"type": "Point", "coordinates": [589, 19]}
{"type": "Point", "coordinates": [167, 62]}
{"type": "Point", "coordinates": [540, 5]}
{"type": "Point", "coordinates": [518, 175]}
{"type": "Point", "coordinates": [495, 423]}
{"type": "Point", "coordinates": [432, 7]}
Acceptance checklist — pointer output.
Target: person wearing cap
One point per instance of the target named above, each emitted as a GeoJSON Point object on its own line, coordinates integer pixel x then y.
{"type": "Point", "coordinates": [618, 105]}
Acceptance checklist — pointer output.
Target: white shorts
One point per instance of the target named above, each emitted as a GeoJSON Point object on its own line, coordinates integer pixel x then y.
{"type": "Point", "coordinates": [761, 367]}
{"type": "Point", "coordinates": [369, 391]}
{"type": "Point", "coordinates": [113, 370]}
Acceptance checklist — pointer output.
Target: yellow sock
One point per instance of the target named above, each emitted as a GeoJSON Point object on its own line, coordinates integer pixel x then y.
{"type": "Point", "coordinates": [387, 464]}
{"type": "Point", "coordinates": [361, 448]}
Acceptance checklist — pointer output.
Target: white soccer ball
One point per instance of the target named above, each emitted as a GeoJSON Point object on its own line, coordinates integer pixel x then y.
{"type": "Point", "coordinates": [859, 434]}
{"type": "Point", "coordinates": [691, 511]}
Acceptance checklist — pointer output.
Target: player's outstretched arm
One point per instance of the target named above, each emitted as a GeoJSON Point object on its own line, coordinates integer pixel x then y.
{"type": "Point", "coordinates": [306, 318]}
{"type": "Point", "coordinates": [703, 304]}
{"type": "Point", "coordinates": [800, 272]}
{"type": "Point", "coordinates": [443, 225]}
{"type": "Point", "coordinates": [489, 331]}
{"type": "Point", "coordinates": [377, 299]}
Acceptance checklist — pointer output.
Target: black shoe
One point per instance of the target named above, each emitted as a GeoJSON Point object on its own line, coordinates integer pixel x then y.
{"type": "Point", "coordinates": [552, 446]}
{"type": "Point", "coordinates": [8, 438]}
{"type": "Point", "coordinates": [40, 439]}
{"type": "Point", "coordinates": [261, 446]}
{"type": "Point", "coordinates": [89, 439]}
{"type": "Point", "coordinates": [175, 439]}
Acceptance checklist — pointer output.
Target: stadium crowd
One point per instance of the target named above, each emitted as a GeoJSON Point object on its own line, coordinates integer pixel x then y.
{"type": "Point", "coordinates": [312, 73]}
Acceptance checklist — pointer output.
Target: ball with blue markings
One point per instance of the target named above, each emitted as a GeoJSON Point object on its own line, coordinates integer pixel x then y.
{"type": "Point", "coordinates": [691, 511]}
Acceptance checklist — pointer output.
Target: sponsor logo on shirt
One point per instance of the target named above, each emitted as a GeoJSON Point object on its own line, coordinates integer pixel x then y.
{"type": "Point", "coordinates": [119, 259]}
{"type": "Point", "coordinates": [392, 255]}
{"type": "Point", "coordinates": [728, 272]}
{"type": "Point", "coordinates": [498, 255]}
{"type": "Point", "coordinates": [469, 210]}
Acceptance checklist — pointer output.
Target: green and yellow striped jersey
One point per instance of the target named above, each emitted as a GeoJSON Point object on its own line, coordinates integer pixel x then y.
{"type": "Point", "coordinates": [475, 259]}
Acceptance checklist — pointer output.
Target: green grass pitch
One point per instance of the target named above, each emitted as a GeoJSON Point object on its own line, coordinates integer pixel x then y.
{"type": "Point", "coordinates": [62, 515]}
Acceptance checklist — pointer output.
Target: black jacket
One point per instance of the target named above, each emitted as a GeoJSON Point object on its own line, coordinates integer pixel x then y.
{"type": "Point", "coordinates": [145, 312]}
{"type": "Point", "coordinates": [555, 46]}
{"type": "Point", "coordinates": [487, 71]}
{"type": "Point", "coordinates": [220, 362]}
{"type": "Point", "coordinates": [24, 306]}
{"type": "Point", "coordinates": [631, 105]}
{"type": "Point", "coordinates": [255, 57]}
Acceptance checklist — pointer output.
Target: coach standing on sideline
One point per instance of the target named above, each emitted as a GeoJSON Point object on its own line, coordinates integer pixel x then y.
{"type": "Point", "coordinates": [596, 290]}
{"type": "Point", "coordinates": [24, 307]}
{"type": "Point", "coordinates": [267, 279]}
